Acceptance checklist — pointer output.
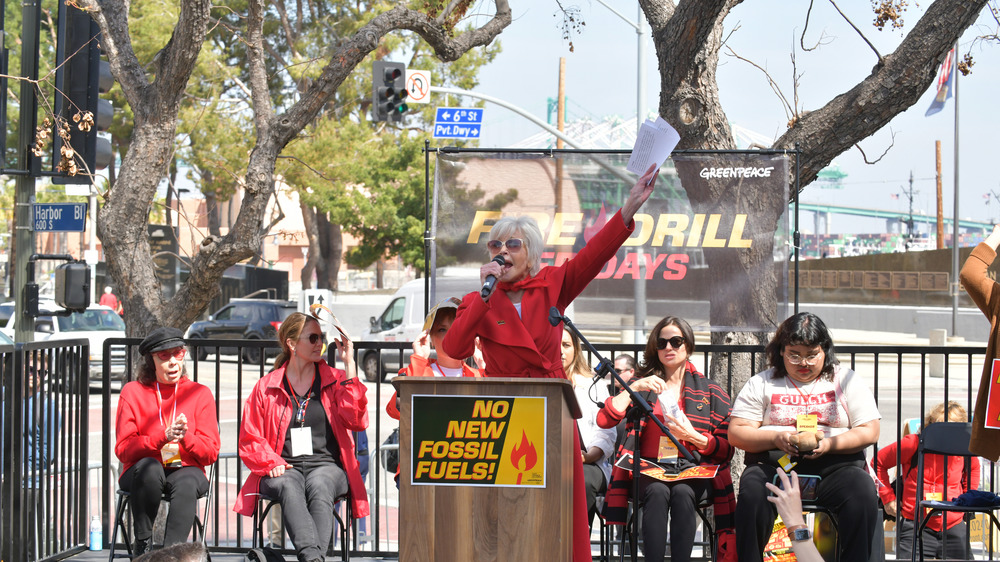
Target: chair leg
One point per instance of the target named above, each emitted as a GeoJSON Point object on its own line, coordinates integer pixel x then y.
{"type": "Point", "coordinates": [123, 504]}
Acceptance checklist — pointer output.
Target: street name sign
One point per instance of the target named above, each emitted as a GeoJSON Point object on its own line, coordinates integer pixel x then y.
{"type": "Point", "coordinates": [58, 217]}
{"type": "Point", "coordinates": [458, 123]}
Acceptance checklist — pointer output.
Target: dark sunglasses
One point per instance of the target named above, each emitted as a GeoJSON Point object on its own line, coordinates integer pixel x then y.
{"type": "Point", "coordinates": [514, 244]}
{"type": "Point", "coordinates": [675, 342]}
{"type": "Point", "coordinates": [316, 338]}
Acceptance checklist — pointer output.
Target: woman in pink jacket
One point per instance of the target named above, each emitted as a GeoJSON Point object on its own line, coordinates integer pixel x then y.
{"type": "Point", "coordinates": [296, 440]}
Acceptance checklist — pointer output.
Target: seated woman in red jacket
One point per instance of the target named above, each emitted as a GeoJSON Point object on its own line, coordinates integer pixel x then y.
{"type": "Point", "coordinates": [940, 541]}
{"type": "Point", "coordinates": [436, 325]}
{"type": "Point", "coordinates": [696, 411]}
{"type": "Point", "coordinates": [296, 437]}
{"type": "Point", "coordinates": [167, 433]}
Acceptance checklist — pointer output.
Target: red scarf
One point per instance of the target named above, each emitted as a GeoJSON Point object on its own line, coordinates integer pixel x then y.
{"type": "Point", "coordinates": [525, 283]}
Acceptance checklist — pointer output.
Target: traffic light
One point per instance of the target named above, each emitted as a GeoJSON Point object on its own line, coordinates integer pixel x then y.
{"type": "Point", "coordinates": [388, 91]}
{"type": "Point", "coordinates": [80, 78]}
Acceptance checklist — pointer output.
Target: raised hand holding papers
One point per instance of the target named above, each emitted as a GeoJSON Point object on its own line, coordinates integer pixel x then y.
{"type": "Point", "coordinates": [654, 143]}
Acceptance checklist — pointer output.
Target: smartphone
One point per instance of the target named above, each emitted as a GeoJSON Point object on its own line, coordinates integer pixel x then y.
{"type": "Point", "coordinates": [808, 483]}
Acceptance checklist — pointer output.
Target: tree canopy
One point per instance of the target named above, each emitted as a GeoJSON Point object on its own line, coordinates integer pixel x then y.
{"type": "Point", "coordinates": [264, 73]}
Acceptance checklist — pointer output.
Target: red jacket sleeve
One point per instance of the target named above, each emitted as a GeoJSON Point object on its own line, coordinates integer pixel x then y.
{"type": "Point", "coordinates": [200, 447]}
{"type": "Point", "coordinates": [585, 265]}
{"type": "Point", "coordinates": [460, 340]}
{"type": "Point", "coordinates": [135, 437]}
{"type": "Point", "coordinates": [255, 450]}
{"type": "Point", "coordinates": [351, 401]}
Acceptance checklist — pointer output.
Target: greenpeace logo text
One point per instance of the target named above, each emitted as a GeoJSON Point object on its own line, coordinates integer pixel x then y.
{"type": "Point", "coordinates": [749, 172]}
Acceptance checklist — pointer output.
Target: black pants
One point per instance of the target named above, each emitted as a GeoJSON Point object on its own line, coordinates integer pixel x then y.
{"type": "Point", "coordinates": [594, 483]}
{"type": "Point", "coordinates": [848, 492]}
{"type": "Point", "coordinates": [307, 506]}
{"type": "Point", "coordinates": [953, 543]}
{"type": "Point", "coordinates": [677, 503]}
{"type": "Point", "coordinates": [147, 482]}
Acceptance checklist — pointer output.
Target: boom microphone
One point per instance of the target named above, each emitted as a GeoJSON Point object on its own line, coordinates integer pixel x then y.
{"type": "Point", "coordinates": [491, 280]}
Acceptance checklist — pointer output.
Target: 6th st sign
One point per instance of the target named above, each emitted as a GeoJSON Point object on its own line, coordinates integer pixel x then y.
{"type": "Point", "coordinates": [457, 123]}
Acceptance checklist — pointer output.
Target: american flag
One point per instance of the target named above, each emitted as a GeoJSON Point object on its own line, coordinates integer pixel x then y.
{"type": "Point", "coordinates": [945, 84]}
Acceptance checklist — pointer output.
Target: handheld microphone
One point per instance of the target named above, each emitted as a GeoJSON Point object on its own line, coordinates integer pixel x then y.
{"type": "Point", "coordinates": [491, 280]}
{"type": "Point", "coordinates": [554, 317]}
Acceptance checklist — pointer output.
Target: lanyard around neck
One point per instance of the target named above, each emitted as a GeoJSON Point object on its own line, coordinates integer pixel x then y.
{"type": "Point", "coordinates": [300, 407]}
{"type": "Point", "coordinates": [159, 405]}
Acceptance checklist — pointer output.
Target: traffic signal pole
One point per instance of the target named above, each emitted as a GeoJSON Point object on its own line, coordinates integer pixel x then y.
{"type": "Point", "coordinates": [24, 195]}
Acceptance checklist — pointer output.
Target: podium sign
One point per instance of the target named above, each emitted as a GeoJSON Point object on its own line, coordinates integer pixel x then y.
{"type": "Point", "coordinates": [486, 468]}
{"type": "Point", "coordinates": [478, 440]}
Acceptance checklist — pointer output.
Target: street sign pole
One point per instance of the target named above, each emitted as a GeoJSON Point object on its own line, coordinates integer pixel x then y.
{"type": "Point", "coordinates": [24, 237]}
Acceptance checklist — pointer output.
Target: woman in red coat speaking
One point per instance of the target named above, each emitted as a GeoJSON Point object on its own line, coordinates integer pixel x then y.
{"type": "Point", "coordinates": [513, 324]}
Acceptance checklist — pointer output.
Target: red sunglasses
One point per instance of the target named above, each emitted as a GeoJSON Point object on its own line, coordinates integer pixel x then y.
{"type": "Point", "coordinates": [167, 354]}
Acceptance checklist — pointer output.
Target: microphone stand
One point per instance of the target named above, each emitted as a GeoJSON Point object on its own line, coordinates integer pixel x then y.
{"type": "Point", "coordinates": [604, 368]}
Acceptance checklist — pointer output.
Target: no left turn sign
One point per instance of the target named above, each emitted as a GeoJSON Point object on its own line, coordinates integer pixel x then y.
{"type": "Point", "coordinates": [418, 86]}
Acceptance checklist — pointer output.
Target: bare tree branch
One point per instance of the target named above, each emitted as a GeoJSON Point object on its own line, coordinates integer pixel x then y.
{"type": "Point", "coordinates": [851, 23]}
{"type": "Point", "coordinates": [892, 142]}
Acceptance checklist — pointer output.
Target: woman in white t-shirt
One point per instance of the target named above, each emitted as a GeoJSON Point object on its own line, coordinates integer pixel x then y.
{"type": "Point", "coordinates": [596, 443]}
{"type": "Point", "coordinates": [811, 413]}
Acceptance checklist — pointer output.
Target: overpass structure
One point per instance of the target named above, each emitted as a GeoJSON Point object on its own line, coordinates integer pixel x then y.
{"type": "Point", "coordinates": [825, 209]}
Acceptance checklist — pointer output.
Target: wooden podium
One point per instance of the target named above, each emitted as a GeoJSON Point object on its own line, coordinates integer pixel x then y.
{"type": "Point", "coordinates": [464, 503]}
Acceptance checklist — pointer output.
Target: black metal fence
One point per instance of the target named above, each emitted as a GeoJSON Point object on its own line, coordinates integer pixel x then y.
{"type": "Point", "coordinates": [906, 380]}
{"type": "Point", "coordinates": [44, 426]}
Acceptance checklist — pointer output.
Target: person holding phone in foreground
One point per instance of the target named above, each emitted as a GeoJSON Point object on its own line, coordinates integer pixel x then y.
{"type": "Point", "coordinates": [513, 325]}
{"type": "Point", "coordinates": [788, 502]}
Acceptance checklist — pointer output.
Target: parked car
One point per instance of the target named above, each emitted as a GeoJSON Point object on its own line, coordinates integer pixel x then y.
{"type": "Point", "coordinates": [403, 319]}
{"type": "Point", "coordinates": [95, 324]}
{"type": "Point", "coordinates": [242, 319]}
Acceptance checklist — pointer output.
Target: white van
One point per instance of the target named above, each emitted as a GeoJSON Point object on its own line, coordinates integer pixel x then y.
{"type": "Point", "coordinates": [403, 319]}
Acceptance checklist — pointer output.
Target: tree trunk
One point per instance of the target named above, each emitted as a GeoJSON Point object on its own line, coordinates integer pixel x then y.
{"type": "Point", "coordinates": [335, 243]}
{"type": "Point", "coordinates": [323, 263]}
{"type": "Point", "coordinates": [312, 236]}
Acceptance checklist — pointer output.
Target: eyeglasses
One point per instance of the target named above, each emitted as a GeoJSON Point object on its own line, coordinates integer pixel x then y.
{"type": "Point", "coordinates": [809, 360]}
{"type": "Point", "coordinates": [513, 244]}
{"type": "Point", "coordinates": [316, 338]}
{"type": "Point", "coordinates": [675, 342]}
{"type": "Point", "coordinates": [168, 354]}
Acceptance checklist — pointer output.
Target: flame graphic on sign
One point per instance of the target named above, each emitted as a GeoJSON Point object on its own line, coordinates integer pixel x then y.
{"type": "Point", "coordinates": [596, 225]}
{"type": "Point", "coordinates": [525, 450]}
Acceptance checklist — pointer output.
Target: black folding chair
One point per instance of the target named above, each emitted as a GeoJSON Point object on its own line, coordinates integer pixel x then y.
{"type": "Point", "coordinates": [948, 439]}
{"type": "Point", "coordinates": [124, 505]}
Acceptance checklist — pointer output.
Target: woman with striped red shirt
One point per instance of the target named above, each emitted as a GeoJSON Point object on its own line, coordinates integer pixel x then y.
{"type": "Point", "coordinates": [696, 411]}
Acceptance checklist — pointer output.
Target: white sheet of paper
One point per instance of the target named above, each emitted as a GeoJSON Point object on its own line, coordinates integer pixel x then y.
{"type": "Point", "coordinates": [654, 143]}
{"type": "Point", "coordinates": [302, 443]}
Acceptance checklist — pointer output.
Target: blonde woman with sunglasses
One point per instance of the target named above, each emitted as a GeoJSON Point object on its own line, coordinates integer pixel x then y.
{"type": "Point", "coordinates": [296, 436]}
{"type": "Point", "coordinates": [166, 434]}
{"type": "Point", "coordinates": [696, 411]}
{"type": "Point", "coordinates": [513, 323]}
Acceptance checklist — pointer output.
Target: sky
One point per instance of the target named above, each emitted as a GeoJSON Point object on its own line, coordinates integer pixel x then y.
{"type": "Point", "coordinates": [601, 80]}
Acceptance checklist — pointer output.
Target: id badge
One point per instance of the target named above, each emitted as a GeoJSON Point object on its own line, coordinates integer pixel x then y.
{"type": "Point", "coordinates": [806, 422]}
{"type": "Point", "coordinates": [667, 451]}
{"type": "Point", "coordinates": [933, 496]}
{"type": "Point", "coordinates": [170, 455]}
{"type": "Point", "coordinates": [301, 441]}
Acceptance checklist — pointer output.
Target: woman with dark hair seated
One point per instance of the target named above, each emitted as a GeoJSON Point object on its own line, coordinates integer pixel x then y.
{"type": "Point", "coordinates": [167, 433]}
{"type": "Point", "coordinates": [808, 412]}
{"type": "Point", "coordinates": [296, 436]}
{"type": "Point", "coordinates": [696, 411]}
